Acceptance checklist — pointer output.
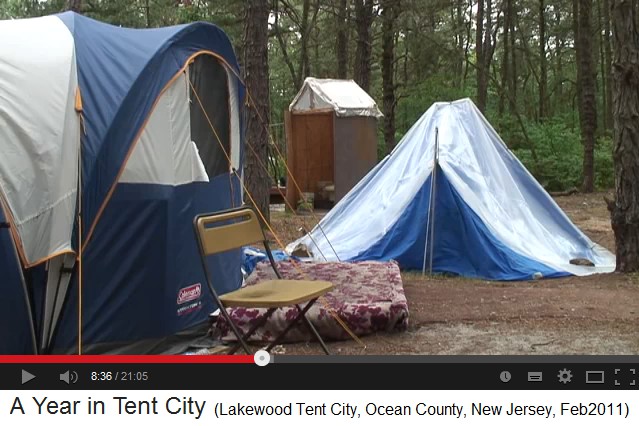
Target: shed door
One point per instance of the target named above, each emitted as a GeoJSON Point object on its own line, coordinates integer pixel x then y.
{"type": "Point", "coordinates": [312, 150]}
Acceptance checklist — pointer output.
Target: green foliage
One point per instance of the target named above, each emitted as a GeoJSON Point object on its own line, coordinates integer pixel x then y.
{"type": "Point", "coordinates": [559, 155]}
{"type": "Point", "coordinates": [604, 165]}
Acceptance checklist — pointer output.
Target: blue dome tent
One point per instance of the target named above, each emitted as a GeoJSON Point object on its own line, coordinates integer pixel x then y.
{"type": "Point", "coordinates": [452, 179]}
{"type": "Point", "coordinates": [115, 139]}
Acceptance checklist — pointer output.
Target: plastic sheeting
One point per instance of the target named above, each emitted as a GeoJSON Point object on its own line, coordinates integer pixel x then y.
{"type": "Point", "coordinates": [39, 134]}
{"type": "Point", "coordinates": [345, 97]}
{"type": "Point", "coordinates": [496, 196]}
{"type": "Point", "coordinates": [251, 256]}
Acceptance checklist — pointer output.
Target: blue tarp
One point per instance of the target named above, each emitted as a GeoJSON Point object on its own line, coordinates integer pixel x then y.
{"type": "Point", "coordinates": [251, 256]}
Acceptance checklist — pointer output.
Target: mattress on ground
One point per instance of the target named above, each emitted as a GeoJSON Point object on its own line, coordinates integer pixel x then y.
{"type": "Point", "coordinates": [367, 296]}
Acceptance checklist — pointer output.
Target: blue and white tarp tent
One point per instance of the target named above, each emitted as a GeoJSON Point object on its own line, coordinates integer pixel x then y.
{"type": "Point", "coordinates": [112, 140]}
{"type": "Point", "coordinates": [491, 219]}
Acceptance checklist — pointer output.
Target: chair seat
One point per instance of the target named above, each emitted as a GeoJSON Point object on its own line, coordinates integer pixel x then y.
{"type": "Point", "coordinates": [276, 293]}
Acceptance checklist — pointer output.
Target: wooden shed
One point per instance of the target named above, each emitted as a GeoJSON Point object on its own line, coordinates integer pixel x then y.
{"type": "Point", "coordinates": [331, 139]}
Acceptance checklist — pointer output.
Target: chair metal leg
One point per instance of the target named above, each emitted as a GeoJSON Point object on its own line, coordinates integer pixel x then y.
{"type": "Point", "coordinates": [301, 315]}
{"type": "Point", "coordinates": [314, 331]}
{"type": "Point", "coordinates": [237, 333]}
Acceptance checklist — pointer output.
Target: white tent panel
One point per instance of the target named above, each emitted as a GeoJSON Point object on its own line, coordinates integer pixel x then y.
{"type": "Point", "coordinates": [345, 97]}
{"type": "Point", "coordinates": [39, 133]}
{"type": "Point", "coordinates": [165, 154]}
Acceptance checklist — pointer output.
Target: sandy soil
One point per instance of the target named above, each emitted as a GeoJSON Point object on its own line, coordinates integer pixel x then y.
{"type": "Point", "coordinates": [575, 315]}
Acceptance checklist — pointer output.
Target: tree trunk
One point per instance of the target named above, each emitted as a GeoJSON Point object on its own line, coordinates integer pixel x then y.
{"type": "Point", "coordinates": [575, 29]}
{"type": "Point", "coordinates": [559, 72]}
{"type": "Point", "coordinates": [602, 66]}
{"type": "Point", "coordinates": [74, 6]}
{"type": "Point", "coordinates": [588, 110]}
{"type": "Point", "coordinates": [469, 30]}
{"type": "Point", "coordinates": [304, 64]}
{"type": "Point", "coordinates": [505, 62]}
{"type": "Point", "coordinates": [342, 39]}
{"type": "Point", "coordinates": [147, 12]}
{"type": "Point", "coordinates": [297, 79]}
{"type": "Point", "coordinates": [625, 209]}
{"type": "Point", "coordinates": [479, 54]}
{"type": "Point", "coordinates": [513, 54]}
{"type": "Point", "coordinates": [257, 84]}
{"type": "Point", "coordinates": [363, 23]}
{"type": "Point", "coordinates": [389, 16]}
{"type": "Point", "coordinates": [487, 50]}
{"type": "Point", "coordinates": [460, 30]}
{"type": "Point", "coordinates": [543, 64]}
{"type": "Point", "coordinates": [608, 62]}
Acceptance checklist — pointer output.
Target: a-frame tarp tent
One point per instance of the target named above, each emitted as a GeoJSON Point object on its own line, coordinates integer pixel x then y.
{"type": "Point", "coordinates": [489, 218]}
{"type": "Point", "coordinates": [115, 138]}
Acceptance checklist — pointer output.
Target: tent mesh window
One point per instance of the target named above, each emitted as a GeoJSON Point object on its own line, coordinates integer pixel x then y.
{"type": "Point", "coordinates": [209, 79]}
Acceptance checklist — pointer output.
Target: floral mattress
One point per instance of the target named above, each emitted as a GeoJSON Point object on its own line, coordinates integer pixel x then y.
{"type": "Point", "coordinates": [367, 296]}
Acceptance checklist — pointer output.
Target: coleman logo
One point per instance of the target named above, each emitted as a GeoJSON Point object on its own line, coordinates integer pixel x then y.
{"type": "Point", "coordinates": [189, 293]}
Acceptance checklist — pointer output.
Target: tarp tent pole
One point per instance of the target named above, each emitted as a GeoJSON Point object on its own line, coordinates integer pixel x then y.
{"type": "Point", "coordinates": [430, 222]}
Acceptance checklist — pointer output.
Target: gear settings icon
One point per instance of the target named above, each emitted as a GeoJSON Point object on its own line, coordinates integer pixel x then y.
{"type": "Point", "coordinates": [564, 376]}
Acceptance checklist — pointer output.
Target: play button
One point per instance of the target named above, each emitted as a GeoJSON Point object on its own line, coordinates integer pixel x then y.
{"type": "Point", "coordinates": [27, 377]}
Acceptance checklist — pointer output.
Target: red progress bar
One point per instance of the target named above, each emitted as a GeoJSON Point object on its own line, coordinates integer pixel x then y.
{"type": "Point", "coordinates": [127, 359]}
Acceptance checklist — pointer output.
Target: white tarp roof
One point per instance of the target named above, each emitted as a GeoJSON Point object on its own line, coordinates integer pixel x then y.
{"type": "Point", "coordinates": [39, 134]}
{"type": "Point", "coordinates": [345, 97]}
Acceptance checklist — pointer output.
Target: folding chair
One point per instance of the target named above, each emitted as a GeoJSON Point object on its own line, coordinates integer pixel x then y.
{"type": "Point", "coordinates": [235, 228]}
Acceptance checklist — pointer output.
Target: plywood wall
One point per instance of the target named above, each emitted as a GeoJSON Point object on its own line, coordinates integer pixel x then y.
{"type": "Point", "coordinates": [310, 154]}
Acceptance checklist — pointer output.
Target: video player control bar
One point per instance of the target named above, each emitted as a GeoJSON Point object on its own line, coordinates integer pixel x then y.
{"type": "Point", "coordinates": [195, 373]}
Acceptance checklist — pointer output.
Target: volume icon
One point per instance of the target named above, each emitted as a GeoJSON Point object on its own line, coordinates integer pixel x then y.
{"type": "Point", "coordinates": [69, 377]}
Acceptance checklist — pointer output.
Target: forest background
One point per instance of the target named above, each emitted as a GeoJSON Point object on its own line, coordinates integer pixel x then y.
{"type": "Point", "coordinates": [532, 66]}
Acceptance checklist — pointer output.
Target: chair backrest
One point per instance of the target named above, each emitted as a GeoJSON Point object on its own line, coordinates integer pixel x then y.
{"type": "Point", "coordinates": [227, 230]}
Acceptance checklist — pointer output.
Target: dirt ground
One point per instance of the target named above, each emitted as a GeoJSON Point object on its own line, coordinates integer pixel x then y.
{"type": "Point", "coordinates": [575, 315]}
